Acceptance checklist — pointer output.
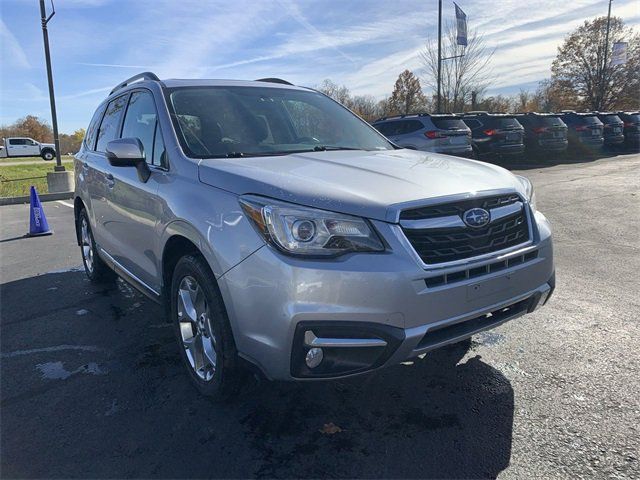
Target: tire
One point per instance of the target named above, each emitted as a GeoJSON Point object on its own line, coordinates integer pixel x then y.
{"type": "Point", "coordinates": [94, 267]}
{"type": "Point", "coordinates": [203, 331]}
{"type": "Point", "coordinates": [48, 155]}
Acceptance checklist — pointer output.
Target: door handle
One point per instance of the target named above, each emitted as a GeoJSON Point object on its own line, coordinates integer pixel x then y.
{"type": "Point", "coordinates": [110, 180]}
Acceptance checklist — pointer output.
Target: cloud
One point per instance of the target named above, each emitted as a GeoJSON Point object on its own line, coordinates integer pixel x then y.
{"type": "Point", "coordinates": [12, 53]}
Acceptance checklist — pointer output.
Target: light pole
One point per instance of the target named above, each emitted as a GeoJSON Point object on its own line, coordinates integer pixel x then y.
{"type": "Point", "coordinates": [605, 66]}
{"type": "Point", "coordinates": [439, 102]}
{"type": "Point", "coordinates": [54, 119]}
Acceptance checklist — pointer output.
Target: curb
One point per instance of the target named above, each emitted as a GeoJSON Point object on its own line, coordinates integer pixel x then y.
{"type": "Point", "coordinates": [44, 198]}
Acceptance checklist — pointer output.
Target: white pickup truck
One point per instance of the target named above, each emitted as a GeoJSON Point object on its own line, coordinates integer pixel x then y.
{"type": "Point", "coordinates": [26, 147]}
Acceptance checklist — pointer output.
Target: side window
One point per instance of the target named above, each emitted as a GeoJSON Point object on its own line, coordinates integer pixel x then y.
{"type": "Point", "coordinates": [92, 131]}
{"type": "Point", "coordinates": [109, 126]}
{"type": "Point", "coordinates": [411, 126]}
{"type": "Point", "coordinates": [140, 122]}
{"type": "Point", "coordinates": [17, 141]}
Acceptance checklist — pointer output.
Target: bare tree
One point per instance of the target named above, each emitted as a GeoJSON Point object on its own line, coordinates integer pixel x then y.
{"type": "Point", "coordinates": [366, 106]}
{"type": "Point", "coordinates": [580, 70]}
{"type": "Point", "coordinates": [407, 96]}
{"type": "Point", "coordinates": [340, 93]}
{"type": "Point", "coordinates": [460, 75]}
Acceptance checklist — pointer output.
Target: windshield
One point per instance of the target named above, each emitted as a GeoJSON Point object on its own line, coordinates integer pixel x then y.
{"type": "Point", "coordinates": [233, 121]}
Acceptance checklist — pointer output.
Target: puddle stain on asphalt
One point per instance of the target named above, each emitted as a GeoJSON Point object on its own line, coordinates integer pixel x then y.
{"type": "Point", "coordinates": [56, 370]}
{"type": "Point", "coordinates": [57, 348]}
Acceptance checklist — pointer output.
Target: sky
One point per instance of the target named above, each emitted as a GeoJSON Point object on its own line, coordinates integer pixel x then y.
{"type": "Point", "coordinates": [96, 44]}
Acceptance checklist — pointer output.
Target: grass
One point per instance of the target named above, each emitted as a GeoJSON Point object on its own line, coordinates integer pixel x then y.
{"type": "Point", "coordinates": [23, 177]}
{"type": "Point", "coordinates": [65, 158]}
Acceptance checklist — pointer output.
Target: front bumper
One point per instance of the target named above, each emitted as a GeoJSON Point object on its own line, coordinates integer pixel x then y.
{"type": "Point", "coordinates": [272, 300]}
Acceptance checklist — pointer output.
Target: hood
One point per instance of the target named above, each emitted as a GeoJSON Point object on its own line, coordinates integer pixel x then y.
{"type": "Point", "coordinates": [374, 185]}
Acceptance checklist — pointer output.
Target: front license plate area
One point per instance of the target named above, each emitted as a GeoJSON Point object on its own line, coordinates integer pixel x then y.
{"type": "Point", "coordinates": [501, 285]}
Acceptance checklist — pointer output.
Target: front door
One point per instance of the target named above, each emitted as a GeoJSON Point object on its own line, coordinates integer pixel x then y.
{"type": "Point", "coordinates": [134, 208]}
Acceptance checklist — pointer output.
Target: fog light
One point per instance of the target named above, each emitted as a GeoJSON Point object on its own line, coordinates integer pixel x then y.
{"type": "Point", "coordinates": [314, 357]}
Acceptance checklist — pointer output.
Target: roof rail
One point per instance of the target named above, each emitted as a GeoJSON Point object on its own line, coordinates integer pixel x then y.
{"type": "Point", "coordinates": [140, 76]}
{"type": "Point", "coordinates": [274, 80]}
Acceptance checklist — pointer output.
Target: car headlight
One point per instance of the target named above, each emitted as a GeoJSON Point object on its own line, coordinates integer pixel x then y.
{"type": "Point", "coordinates": [309, 231]}
{"type": "Point", "coordinates": [529, 192]}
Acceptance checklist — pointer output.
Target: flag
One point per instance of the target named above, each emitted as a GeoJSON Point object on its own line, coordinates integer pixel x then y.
{"type": "Point", "coordinates": [619, 54]}
{"type": "Point", "coordinates": [461, 20]}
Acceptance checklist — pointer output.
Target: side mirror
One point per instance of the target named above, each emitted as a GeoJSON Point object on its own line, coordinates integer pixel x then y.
{"type": "Point", "coordinates": [128, 152]}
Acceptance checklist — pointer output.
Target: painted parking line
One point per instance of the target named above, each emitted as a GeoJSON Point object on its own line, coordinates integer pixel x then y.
{"type": "Point", "coordinates": [66, 204]}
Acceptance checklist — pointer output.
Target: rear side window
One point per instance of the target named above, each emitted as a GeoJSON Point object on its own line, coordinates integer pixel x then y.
{"type": "Point", "coordinates": [109, 126]}
{"type": "Point", "coordinates": [17, 141]}
{"type": "Point", "coordinates": [385, 128]}
{"type": "Point", "coordinates": [92, 131]}
{"type": "Point", "coordinates": [140, 121]}
{"type": "Point", "coordinates": [448, 123]}
{"type": "Point", "coordinates": [410, 126]}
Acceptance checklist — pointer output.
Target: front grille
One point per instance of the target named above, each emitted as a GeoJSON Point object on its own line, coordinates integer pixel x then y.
{"type": "Point", "coordinates": [458, 208]}
{"type": "Point", "coordinates": [450, 243]}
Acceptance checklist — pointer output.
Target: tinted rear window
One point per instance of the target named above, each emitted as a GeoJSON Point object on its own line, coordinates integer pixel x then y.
{"type": "Point", "coordinates": [610, 119]}
{"type": "Point", "coordinates": [508, 122]}
{"type": "Point", "coordinates": [634, 118]}
{"type": "Point", "coordinates": [591, 120]}
{"type": "Point", "coordinates": [449, 123]}
{"type": "Point", "coordinates": [552, 121]}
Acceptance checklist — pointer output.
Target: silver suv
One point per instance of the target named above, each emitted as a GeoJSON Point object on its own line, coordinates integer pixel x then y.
{"type": "Point", "coordinates": [439, 133]}
{"type": "Point", "coordinates": [281, 231]}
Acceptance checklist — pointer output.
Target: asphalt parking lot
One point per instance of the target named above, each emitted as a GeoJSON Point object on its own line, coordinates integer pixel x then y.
{"type": "Point", "coordinates": [91, 384]}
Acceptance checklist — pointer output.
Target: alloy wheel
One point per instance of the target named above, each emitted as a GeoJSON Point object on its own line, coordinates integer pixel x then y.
{"type": "Point", "coordinates": [198, 340]}
{"type": "Point", "coordinates": [87, 245]}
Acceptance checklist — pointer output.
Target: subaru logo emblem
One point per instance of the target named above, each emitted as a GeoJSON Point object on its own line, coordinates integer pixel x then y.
{"type": "Point", "coordinates": [476, 217]}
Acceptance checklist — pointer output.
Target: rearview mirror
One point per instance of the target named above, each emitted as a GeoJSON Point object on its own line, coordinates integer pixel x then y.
{"type": "Point", "coordinates": [128, 152]}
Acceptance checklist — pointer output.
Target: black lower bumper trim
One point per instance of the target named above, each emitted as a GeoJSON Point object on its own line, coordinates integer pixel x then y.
{"type": "Point", "coordinates": [341, 361]}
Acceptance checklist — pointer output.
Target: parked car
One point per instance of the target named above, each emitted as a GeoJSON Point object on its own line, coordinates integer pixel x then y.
{"type": "Point", "coordinates": [280, 230]}
{"type": "Point", "coordinates": [495, 134]}
{"type": "Point", "coordinates": [631, 128]}
{"type": "Point", "coordinates": [428, 132]}
{"type": "Point", "coordinates": [26, 147]}
{"type": "Point", "coordinates": [585, 131]}
{"type": "Point", "coordinates": [543, 133]}
{"type": "Point", "coordinates": [613, 131]}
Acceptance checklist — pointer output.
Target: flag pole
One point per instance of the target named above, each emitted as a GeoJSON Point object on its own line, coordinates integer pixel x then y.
{"type": "Point", "coordinates": [439, 55]}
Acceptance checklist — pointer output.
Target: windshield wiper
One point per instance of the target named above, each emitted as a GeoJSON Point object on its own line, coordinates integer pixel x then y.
{"type": "Point", "coordinates": [235, 155]}
{"type": "Point", "coordinates": [324, 148]}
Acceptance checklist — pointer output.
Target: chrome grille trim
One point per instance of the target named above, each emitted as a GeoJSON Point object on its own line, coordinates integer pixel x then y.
{"type": "Point", "coordinates": [508, 205]}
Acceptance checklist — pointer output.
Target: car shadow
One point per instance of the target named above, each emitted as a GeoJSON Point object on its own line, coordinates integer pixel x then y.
{"type": "Point", "coordinates": [92, 386]}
